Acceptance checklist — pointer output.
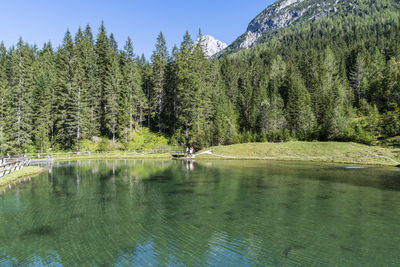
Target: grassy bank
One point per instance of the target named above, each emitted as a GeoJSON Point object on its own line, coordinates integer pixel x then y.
{"type": "Point", "coordinates": [308, 151]}
{"type": "Point", "coordinates": [20, 175]}
{"type": "Point", "coordinates": [338, 152]}
{"type": "Point", "coordinates": [112, 156]}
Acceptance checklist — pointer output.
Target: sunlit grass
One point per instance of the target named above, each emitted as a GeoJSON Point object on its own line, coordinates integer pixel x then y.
{"type": "Point", "coordinates": [310, 151]}
{"type": "Point", "coordinates": [20, 175]}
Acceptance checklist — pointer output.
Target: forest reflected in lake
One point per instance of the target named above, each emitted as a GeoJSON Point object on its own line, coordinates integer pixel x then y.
{"type": "Point", "coordinates": [219, 213]}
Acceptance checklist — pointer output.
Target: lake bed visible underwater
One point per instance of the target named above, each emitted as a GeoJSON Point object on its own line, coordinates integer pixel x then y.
{"type": "Point", "coordinates": [206, 213]}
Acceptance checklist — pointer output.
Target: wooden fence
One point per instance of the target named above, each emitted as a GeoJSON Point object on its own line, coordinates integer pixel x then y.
{"type": "Point", "coordinates": [11, 164]}
{"type": "Point", "coordinates": [99, 153]}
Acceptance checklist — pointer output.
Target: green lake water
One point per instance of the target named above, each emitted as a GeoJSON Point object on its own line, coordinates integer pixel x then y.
{"type": "Point", "coordinates": [219, 213]}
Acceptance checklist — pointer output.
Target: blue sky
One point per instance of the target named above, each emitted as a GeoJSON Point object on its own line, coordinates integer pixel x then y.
{"type": "Point", "coordinates": [39, 21]}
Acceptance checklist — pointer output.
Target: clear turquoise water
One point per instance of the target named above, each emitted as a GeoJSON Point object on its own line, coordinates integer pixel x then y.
{"type": "Point", "coordinates": [220, 213]}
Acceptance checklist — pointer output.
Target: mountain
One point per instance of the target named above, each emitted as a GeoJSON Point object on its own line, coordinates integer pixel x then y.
{"type": "Point", "coordinates": [212, 46]}
{"type": "Point", "coordinates": [285, 13]}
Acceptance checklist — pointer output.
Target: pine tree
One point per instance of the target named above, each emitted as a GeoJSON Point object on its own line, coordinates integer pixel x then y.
{"type": "Point", "coordinates": [376, 70]}
{"type": "Point", "coordinates": [78, 105]}
{"type": "Point", "coordinates": [159, 65]}
{"type": "Point", "coordinates": [69, 94]}
{"type": "Point", "coordinates": [4, 89]}
{"type": "Point", "coordinates": [391, 93]}
{"type": "Point", "coordinates": [44, 82]}
{"type": "Point", "coordinates": [111, 96]}
{"type": "Point", "coordinates": [132, 99]}
{"type": "Point", "coordinates": [91, 84]}
{"type": "Point", "coordinates": [102, 49]}
{"type": "Point", "coordinates": [358, 78]}
{"type": "Point", "coordinates": [244, 106]}
{"type": "Point", "coordinates": [206, 77]}
{"type": "Point", "coordinates": [113, 43]}
{"type": "Point", "coordinates": [188, 94]}
{"type": "Point", "coordinates": [224, 129]}
{"type": "Point", "coordinates": [300, 117]}
{"type": "Point", "coordinates": [19, 118]}
{"type": "Point", "coordinates": [333, 97]}
{"type": "Point", "coordinates": [4, 97]}
{"type": "Point", "coordinates": [171, 90]}
{"type": "Point", "coordinates": [271, 117]}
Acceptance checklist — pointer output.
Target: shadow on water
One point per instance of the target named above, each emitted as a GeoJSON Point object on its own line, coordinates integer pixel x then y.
{"type": "Point", "coordinates": [202, 195]}
{"type": "Point", "coordinates": [158, 179]}
{"type": "Point", "coordinates": [107, 199]}
{"type": "Point", "coordinates": [287, 251]}
{"type": "Point", "coordinates": [188, 213]}
{"type": "Point", "coordinates": [181, 191]}
{"type": "Point", "coordinates": [324, 197]}
{"type": "Point", "coordinates": [77, 216]}
{"type": "Point", "coordinates": [43, 230]}
{"type": "Point", "coordinates": [62, 194]}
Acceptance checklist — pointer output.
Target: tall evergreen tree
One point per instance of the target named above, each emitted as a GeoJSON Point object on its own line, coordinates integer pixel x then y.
{"type": "Point", "coordinates": [133, 102]}
{"type": "Point", "coordinates": [271, 117]}
{"type": "Point", "coordinates": [71, 94]}
{"type": "Point", "coordinates": [159, 65]}
{"type": "Point", "coordinates": [4, 96]}
{"type": "Point", "coordinates": [19, 117]}
{"type": "Point", "coordinates": [44, 83]}
{"type": "Point", "coordinates": [102, 49]}
{"type": "Point", "coordinates": [333, 97]}
{"type": "Point", "coordinates": [90, 83]}
{"type": "Point", "coordinates": [358, 78]}
{"type": "Point", "coordinates": [299, 113]}
{"type": "Point", "coordinates": [111, 96]}
{"type": "Point", "coordinates": [171, 90]}
{"type": "Point", "coordinates": [188, 92]}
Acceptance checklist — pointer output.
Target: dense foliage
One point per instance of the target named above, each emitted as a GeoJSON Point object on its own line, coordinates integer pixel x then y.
{"type": "Point", "coordinates": [337, 78]}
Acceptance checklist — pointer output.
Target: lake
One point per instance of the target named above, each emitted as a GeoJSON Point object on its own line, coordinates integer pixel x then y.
{"type": "Point", "coordinates": [206, 213]}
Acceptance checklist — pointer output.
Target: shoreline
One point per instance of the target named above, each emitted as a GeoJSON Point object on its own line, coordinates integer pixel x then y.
{"type": "Point", "coordinates": [328, 152]}
{"type": "Point", "coordinates": [116, 157]}
{"type": "Point", "coordinates": [327, 159]}
{"type": "Point", "coordinates": [19, 176]}
{"type": "Point", "coordinates": [321, 159]}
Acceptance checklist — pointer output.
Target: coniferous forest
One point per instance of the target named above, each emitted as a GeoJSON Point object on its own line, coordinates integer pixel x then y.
{"type": "Point", "coordinates": [336, 79]}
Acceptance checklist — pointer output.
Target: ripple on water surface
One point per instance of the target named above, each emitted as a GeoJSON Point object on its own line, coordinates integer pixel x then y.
{"type": "Point", "coordinates": [227, 213]}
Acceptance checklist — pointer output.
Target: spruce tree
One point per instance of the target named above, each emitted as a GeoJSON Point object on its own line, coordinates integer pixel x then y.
{"type": "Point", "coordinates": [271, 119]}
{"type": "Point", "coordinates": [133, 102]}
{"type": "Point", "coordinates": [44, 83]}
{"type": "Point", "coordinates": [224, 129]}
{"type": "Point", "coordinates": [4, 97]}
{"type": "Point", "coordinates": [91, 84]}
{"type": "Point", "coordinates": [102, 49]}
{"type": "Point", "coordinates": [19, 117]}
{"type": "Point", "coordinates": [68, 94]}
{"type": "Point", "coordinates": [159, 65]}
{"type": "Point", "coordinates": [333, 97]}
{"type": "Point", "coordinates": [111, 96]}
{"type": "Point", "coordinates": [300, 117]}
{"type": "Point", "coordinates": [187, 92]}
{"type": "Point", "coordinates": [171, 90]}
{"type": "Point", "coordinates": [358, 78]}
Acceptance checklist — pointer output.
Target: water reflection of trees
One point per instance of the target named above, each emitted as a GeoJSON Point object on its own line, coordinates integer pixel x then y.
{"type": "Point", "coordinates": [145, 212]}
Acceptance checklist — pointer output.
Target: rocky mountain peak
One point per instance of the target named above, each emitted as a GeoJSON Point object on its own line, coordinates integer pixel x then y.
{"type": "Point", "coordinates": [282, 14]}
{"type": "Point", "coordinates": [212, 46]}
